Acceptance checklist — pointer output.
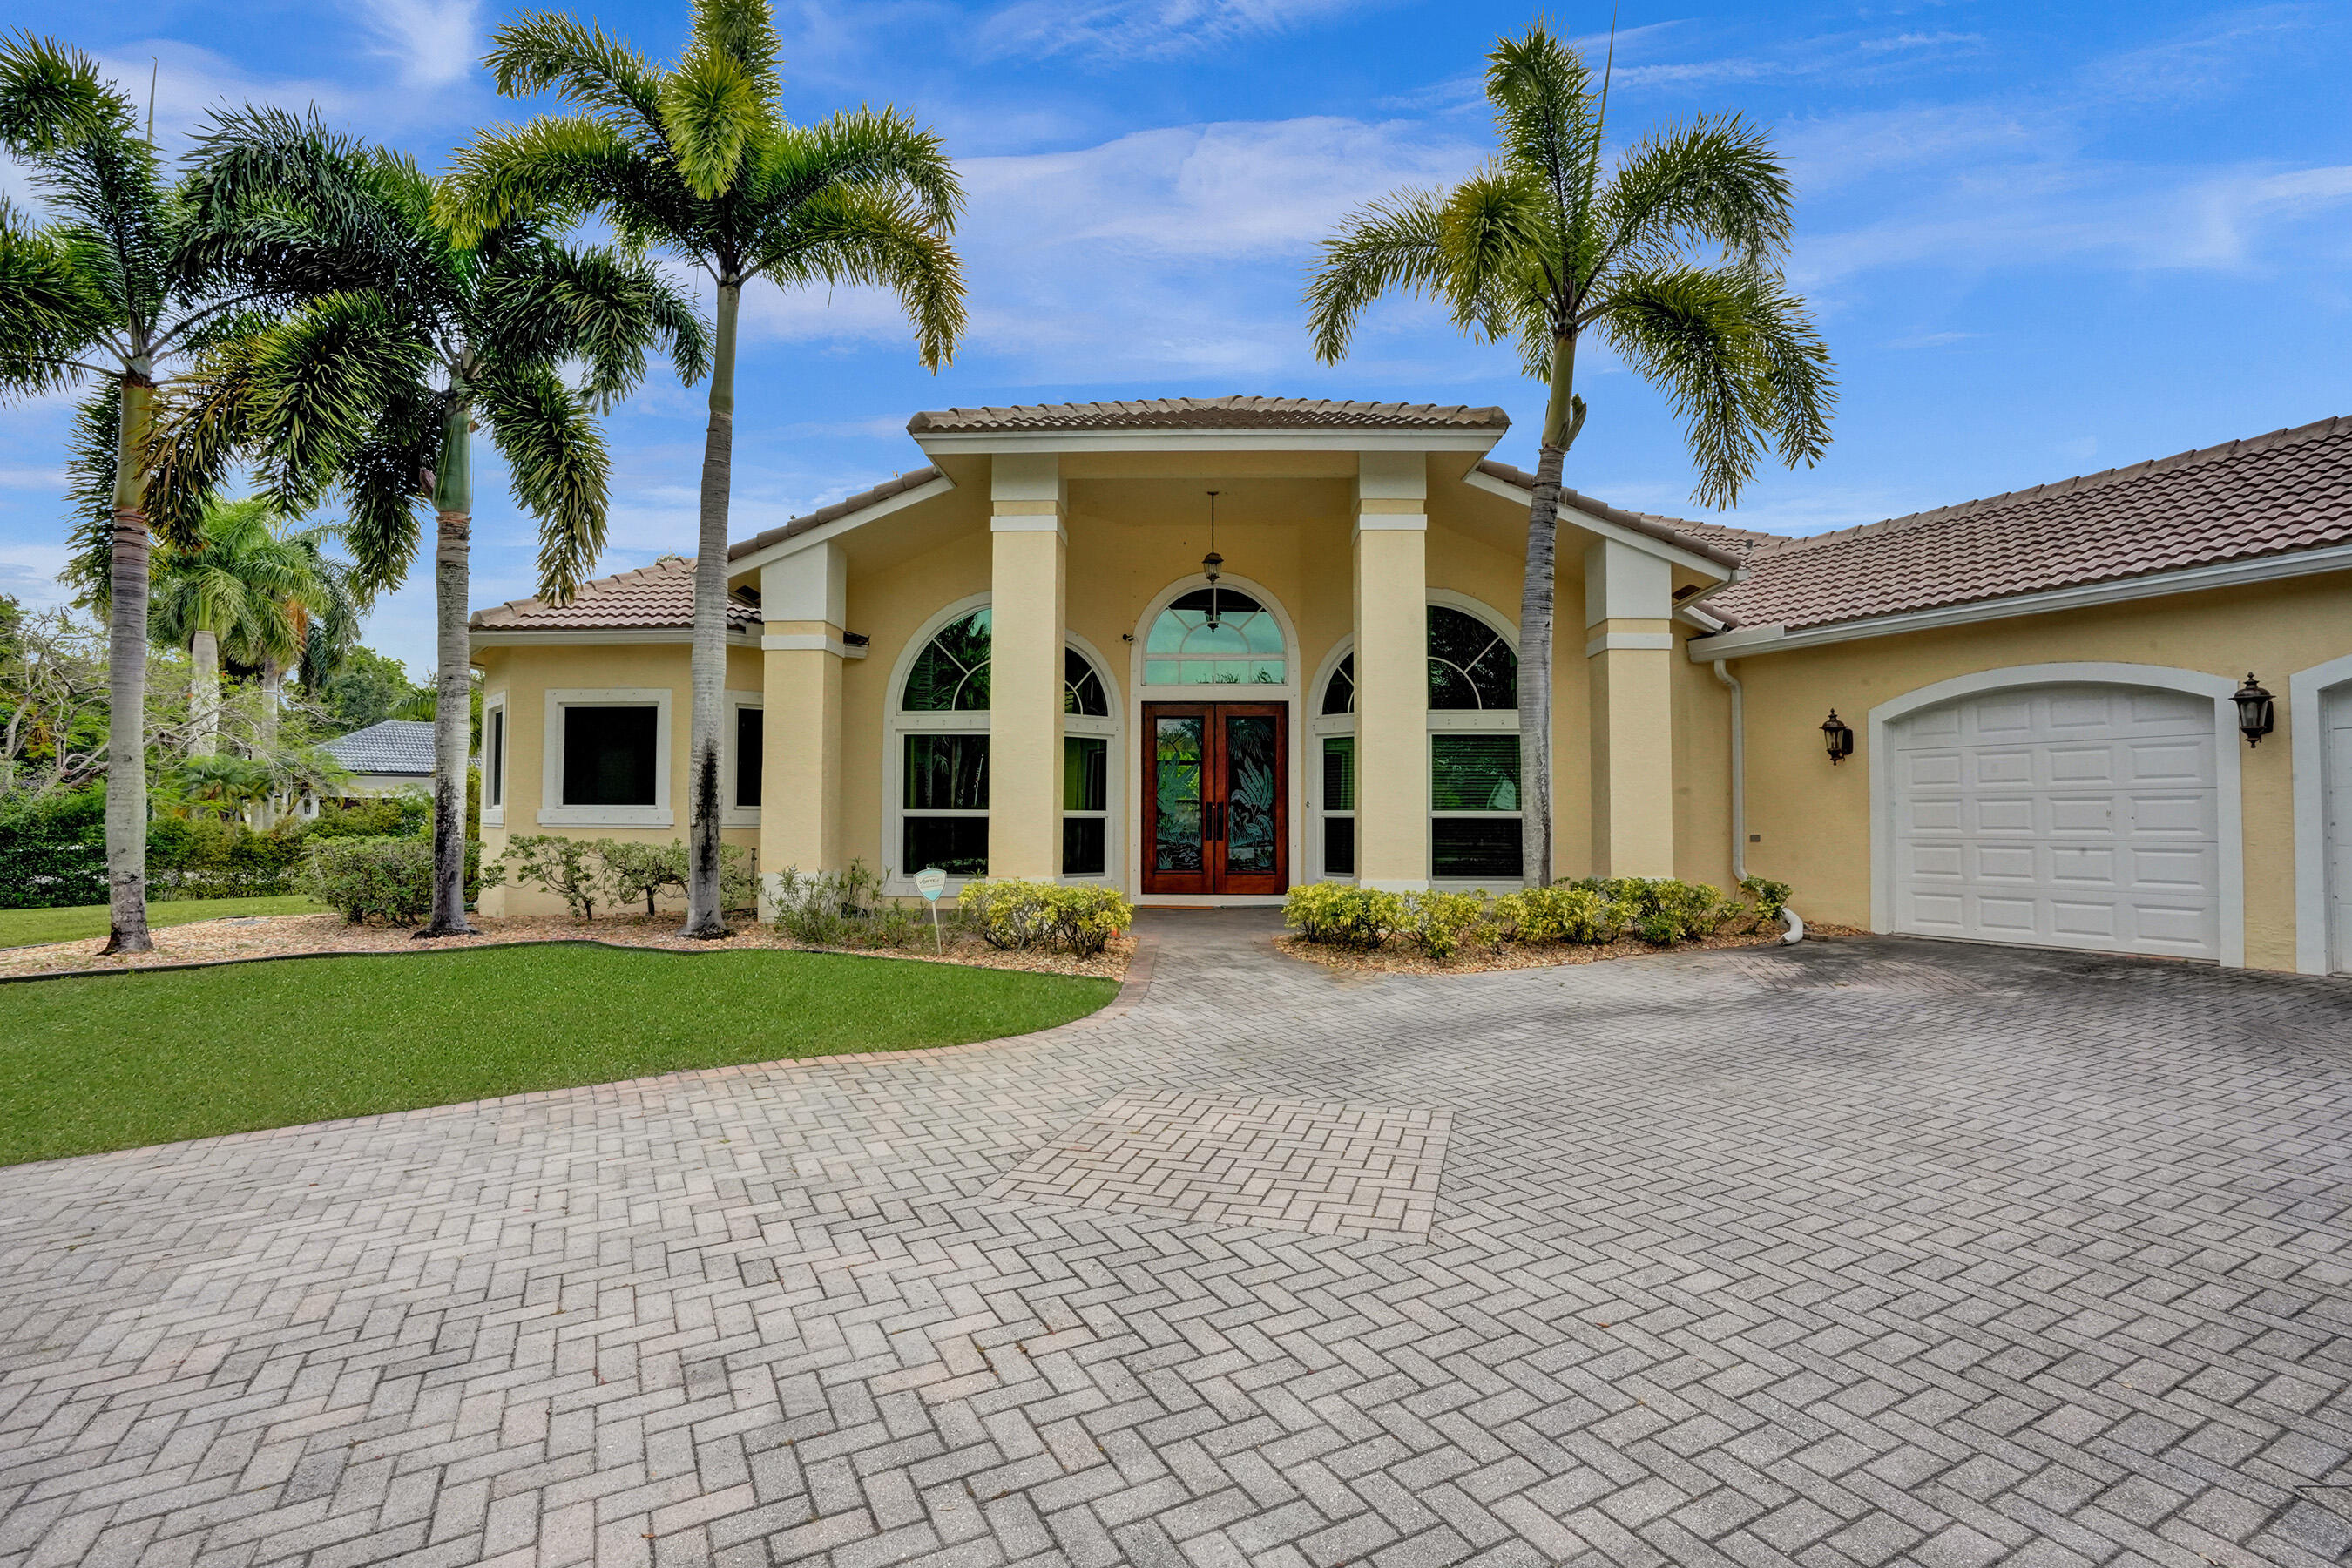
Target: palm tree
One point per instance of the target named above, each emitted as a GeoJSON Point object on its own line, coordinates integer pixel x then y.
{"type": "Point", "coordinates": [1673, 257]}
{"type": "Point", "coordinates": [271, 596]}
{"type": "Point", "coordinates": [114, 296]}
{"type": "Point", "coordinates": [698, 159]}
{"type": "Point", "coordinates": [414, 336]}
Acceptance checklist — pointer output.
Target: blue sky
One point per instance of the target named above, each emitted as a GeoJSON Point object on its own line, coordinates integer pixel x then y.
{"type": "Point", "coordinates": [2041, 239]}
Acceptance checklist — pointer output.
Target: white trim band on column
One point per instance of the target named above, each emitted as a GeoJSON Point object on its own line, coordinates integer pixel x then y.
{"type": "Point", "coordinates": [1613, 642]}
{"type": "Point", "coordinates": [2228, 787]}
{"type": "Point", "coordinates": [1398, 522]}
{"type": "Point", "coordinates": [2306, 692]}
{"type": "Point", "coordinates": [813, 642]}
{"type": "Point", "coordinates": [1025, 522]}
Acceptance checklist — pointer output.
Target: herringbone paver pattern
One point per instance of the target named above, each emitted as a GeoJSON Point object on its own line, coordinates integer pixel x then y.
{"type": "Point", "coordinates": [1866, 1253]}
{"type": "Point", "coordinates": [1330, 1170]}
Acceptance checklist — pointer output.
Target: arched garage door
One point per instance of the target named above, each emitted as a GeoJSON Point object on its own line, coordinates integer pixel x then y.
{"type": "Point", "coordinates": [2079, 815]}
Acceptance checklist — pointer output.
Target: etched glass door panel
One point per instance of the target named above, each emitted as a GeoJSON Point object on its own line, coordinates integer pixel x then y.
{"type": "Point", "coordinates": [1251, 800]}
{"type": "Point", "coordinates": [1178, 777]}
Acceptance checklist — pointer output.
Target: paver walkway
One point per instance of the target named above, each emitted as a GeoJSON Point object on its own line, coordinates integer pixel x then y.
{"type": "Point", "coordinates": [1850, 1253]}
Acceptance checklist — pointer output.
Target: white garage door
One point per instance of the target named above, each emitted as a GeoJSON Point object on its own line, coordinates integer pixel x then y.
{"type": "Point", "coordinates": [2061, 815]}
{"type": "Point", "coordinates": [2335, 728]}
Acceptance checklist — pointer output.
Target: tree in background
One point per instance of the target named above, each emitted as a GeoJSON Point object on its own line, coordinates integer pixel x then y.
{"type": "Point", "coordinates": [698, 159]}
{"type": "Point", "coordinates": [367, 688]}
{"type": "Point", "coordinates": [1673, 257]}
{"type": "Point", "coordinates": [376, 386]}
{"type": "Point", "coordinates": [120, 288]}
{"type": "Point", "coordinates": [52, 700]}
{"type": "Point", "coordinates": [270, 595]}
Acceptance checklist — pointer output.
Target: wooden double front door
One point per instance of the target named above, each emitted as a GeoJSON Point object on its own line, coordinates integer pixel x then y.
{"type": "Point", "coordinates": [1216, 797]}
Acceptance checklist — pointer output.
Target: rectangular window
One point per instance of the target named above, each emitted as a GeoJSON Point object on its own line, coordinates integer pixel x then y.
{"type": "Point", "coordinates": [945, 821]}
{"type": "Point", "coordinates": [1085, 801]}
{"type": "Point", "coordinates": [609, 756]}
{"type": "Point", "coordinates": [1474, 789]}
{"type": "Point", "coordinates": [1338, 805]}
{"type": "Point", "coordinates": [496, 748]}
{"type": "Point", "coordinates": [749, 733]}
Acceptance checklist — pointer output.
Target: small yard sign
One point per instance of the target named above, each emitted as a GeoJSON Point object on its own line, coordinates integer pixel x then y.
{"type": "Point", "coordinates": [932, 882]}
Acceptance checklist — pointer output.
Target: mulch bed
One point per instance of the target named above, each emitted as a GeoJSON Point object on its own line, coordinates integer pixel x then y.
{"type": "Point", "coordinates": [1396, 958]}
{"type": "Point", "coordinates": [283, 936]}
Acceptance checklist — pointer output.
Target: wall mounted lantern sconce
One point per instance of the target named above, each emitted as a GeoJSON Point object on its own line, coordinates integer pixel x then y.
{"type": "Point", "coordinates": [1838, 736]}
{"type": "Point", "coordinates": [2256, 711]}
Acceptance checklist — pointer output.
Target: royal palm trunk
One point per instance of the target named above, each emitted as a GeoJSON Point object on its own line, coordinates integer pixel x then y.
{"type": "Point", "coordinates": [126, 678]}
{"type": "Point", "coordinates": [703, 916]}
{"type": "Point", "coordinates": [203, 730]}
{"type": "Point", "coordinates": [453, 500]}
{"type": "Point", "coordinates": [1537, 604]}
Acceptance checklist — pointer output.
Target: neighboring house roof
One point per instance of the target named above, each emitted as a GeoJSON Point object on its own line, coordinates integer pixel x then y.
{"type": "Point", "coordinates": [1213, 414]}
{"type": "Point", "coordinates": [651, 598]}
{"type": "Point", "coordinates": [2291, 489]}
{"type": "Point", "coordinates": [394, 746]}
{"type": "Point", "coordinates": [1718, 541]}
{"type": "Point", "coordinates": [840, 508]}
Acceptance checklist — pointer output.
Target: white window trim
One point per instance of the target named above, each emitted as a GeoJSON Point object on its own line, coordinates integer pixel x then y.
{"type": "Point", "coordinates": [898, 880]}
{"type": "Point", "coordinates": [1451, 721]}
{"type": "Point", "coordinates": [2307, 693]}
{"type": "Point", "coordinates": [1289, 694]}
{"type": "Point", "coordinates": [495, 814]}
{"type": "Point", "coordinates": [552, 812]}
{"type": "Point", "coordinates": [735, 813]}
{"type": "Point", "coordinates": [2227, 763]}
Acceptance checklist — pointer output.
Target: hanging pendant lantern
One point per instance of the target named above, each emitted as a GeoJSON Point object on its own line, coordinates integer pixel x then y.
{"type": "Point", "coordinates": [1213, 564]}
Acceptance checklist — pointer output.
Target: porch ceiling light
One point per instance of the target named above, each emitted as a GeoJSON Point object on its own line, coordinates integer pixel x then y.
{"type": "Point", "coordinates": [1838, 736]}
{"type": "Point", "coordinates": [2256, 711]}
{"type": "Point", "coordinates": [1212, 564]}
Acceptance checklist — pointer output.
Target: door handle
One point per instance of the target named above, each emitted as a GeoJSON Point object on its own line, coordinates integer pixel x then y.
{"type": "Point", "coordinates": [1216, 822]}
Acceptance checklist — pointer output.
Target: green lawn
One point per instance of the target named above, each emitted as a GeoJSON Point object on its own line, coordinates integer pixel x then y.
{"type": "Point", "coordinates": [113, 1061]}
{"type": "Point", "coordinates": [28, 928]}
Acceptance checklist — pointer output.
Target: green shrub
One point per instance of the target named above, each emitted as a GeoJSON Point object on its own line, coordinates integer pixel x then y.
{"type": "Point", "coordinates": [1662, 909]}
{"type": "Point", "coordinates": [1440, 923]}
{"type": "Point", "coordinates": [372, 878]}
{"type": "Point", "coordinates": [1767, 897]}
{"type": "Point", "coordinates": [824, 909]}
{"type": "Point", "coordinates": [1562, 913]}
{"type": "Point", "coordinates": [571, 869]}
{"type": "Point", "coordinates": [1013, 914]}
{"type": "Point", "coordinates": [1337, 913]}
{"type": "Point", "coordinates": [633, 872]}
{"type": "Point", "coordinates": [407, 814]}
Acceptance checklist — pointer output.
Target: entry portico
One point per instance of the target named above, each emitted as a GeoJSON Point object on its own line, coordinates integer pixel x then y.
{"type": "Point", "coordinates": [1013, 661]}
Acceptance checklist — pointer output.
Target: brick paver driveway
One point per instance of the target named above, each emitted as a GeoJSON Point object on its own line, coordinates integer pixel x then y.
{"type": "Point", "coordinates": [1856, 1253]}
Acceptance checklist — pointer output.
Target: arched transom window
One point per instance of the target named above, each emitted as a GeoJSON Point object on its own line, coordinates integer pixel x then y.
{"type": "Point", "coordinates": [943, 714]}
{"type": "Point", "coordinates": [1215, 636]}
{"type": "Point", "coordinates": [1473, 754]}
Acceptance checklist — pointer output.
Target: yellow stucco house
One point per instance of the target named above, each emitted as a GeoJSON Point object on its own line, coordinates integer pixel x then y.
{"type": "Point", "coordinates": [1011, 661]}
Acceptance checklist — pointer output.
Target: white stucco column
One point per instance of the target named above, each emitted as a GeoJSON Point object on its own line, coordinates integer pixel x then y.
{"type": "Point", "coordinates": [1028, 587]}
{"type": "Point", "coordinates": [1391, 544]}
{"type": "Point", "coordinates": [803, 600]}
{"type": "Point", "coordinates": [1629, 646]}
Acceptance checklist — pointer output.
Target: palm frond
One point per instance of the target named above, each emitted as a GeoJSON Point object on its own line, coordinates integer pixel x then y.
{"type": "Point", "coordinates": [321, 380]}
{"type": "Point", "coordinates": [859, 147]}
{"type": "Point", "coordinates": [51, 98]}
{"type": "Point", "coordinates": [1715, 181]}
{"type": "Point", "coordinates": [549, 166]}
{"type": "Point", "coordinates": [559, 464]}
{"type": "Point", "coordinates": [1739, 365]}
{"type": "Point", "coordinates": [91, 464]}
{"type": "Point", "coordinates": [1396, 243]}
{"type": "Point", "coordinates": [1498, 248]}
{"type": "Point", "coordinates": [595, 306]}
{"type": "Point", "coordinates": [744, 32]}
{"type": "Point", "coordinates": [712, 111]}
{"type": "Point", "coordinates": [883, 238]}
{"type": "Point", "coordinates": [542, 50]}
{"type": "Point", "coordinates": [52, 314]}
{"type": "Point", "coordinates": [1547, 118]}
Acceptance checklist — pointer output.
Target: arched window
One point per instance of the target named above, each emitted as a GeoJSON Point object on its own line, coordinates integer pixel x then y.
{"type": "Point", "coordinates": [1473, 754]}
{"type": "Point", "coordinates": [943, 717]}
{"type": "Point", "coordinates": [1215, 636]}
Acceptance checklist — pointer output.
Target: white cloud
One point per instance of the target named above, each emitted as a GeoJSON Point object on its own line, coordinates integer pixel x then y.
{"type": "Point", "coordinates": [435, 41]}
{"type": "Point", "coordinates": [1141, 30]}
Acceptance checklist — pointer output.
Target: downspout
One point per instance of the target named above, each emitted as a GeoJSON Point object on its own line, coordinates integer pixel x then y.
{"type": "Point", "coordinates": [1796, 923]}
